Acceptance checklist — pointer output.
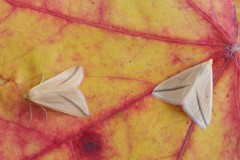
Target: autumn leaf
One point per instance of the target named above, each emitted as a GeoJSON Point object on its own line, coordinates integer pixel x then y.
{"type": "Point", "coordinates": [126, 49]}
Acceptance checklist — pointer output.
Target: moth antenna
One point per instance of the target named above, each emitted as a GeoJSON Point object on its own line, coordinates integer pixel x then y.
{"type": "Point", "coordinates": [42, 78]}
{"type": "Point", "coordinates": [30, 108]}
{"type": "Point", "coordinates": [75, 158]}
{"type": "Point", "coordinates": [46, 114]}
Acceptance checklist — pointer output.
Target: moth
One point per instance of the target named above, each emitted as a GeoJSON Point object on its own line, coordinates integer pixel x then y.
{"type": "Point", "coordinates": [193, 89]}
{"type": "Point", "coordinates": [61, 93]}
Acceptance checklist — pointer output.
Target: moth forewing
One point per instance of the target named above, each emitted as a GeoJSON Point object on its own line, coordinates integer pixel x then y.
{"type": "Point", "coordinates": [71, 78]}
{"type": "Point", "coordinates": [192, 89]}
{"type": "Point", "coordinates": [61, 93]}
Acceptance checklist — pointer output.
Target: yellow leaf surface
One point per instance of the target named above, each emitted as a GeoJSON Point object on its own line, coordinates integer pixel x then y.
{"type": "Point", "coordinates": [126, 49]}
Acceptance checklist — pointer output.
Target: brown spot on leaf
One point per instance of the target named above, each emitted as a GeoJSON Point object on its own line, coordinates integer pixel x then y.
{"type": "Point", "coordinates": [89, 145]}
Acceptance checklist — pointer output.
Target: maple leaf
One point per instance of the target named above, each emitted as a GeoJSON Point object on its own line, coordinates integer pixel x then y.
{"type": "Point", "coordinates": [126, 49]}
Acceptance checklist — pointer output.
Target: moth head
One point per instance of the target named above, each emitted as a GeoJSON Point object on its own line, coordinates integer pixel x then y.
{"type": "Point", "coordinates": [210, 62]}
{"type": "Point", "coordinates": [30, 95]}
{"type": "Point", "coordinates": [26, 96]}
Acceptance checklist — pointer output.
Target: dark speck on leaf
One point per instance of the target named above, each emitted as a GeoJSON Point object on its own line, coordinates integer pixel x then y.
{"type": "Point", "coordinates": [90, 146]}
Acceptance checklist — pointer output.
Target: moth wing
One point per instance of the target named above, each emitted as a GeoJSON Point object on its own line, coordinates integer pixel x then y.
{"type": "Point", "coordinates": [71, 78]}
{"type": "Point", "coordinates": [198, 103]}
{"type": "Point", "coordinates": [70, 102]}
{"type": "Point", "coordinates": [175, 89]}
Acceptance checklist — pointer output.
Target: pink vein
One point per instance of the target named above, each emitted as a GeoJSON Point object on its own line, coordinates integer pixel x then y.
{"type": "Point", "coordinates": [236, 84]}
{"type": "Point", "coordinates": [121, 78]}
{"type": "Point", "coordinates": [221, 71]}
{"type": "Point", "coordinates": [24, 128]}
{"type": "Point", "coordinates": [8, 15]}
{"type": "Point", "coordinates": [111, 28]}
{"type": "Point", "coordinates": [97, 121]}
{"type": "Point", "coordinates": [225, 35]}
{"type": "Point", "coordinates": [101, 12]}
{"type": "Point", "coordinates": [185, 141]}
{"type": "Point", "coordinates": [125, 117]}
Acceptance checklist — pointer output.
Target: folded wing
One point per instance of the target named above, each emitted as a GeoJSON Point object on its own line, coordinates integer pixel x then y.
{"type": "Point", "coordinates": [70, 78]}
{"type": "Point", "coordinates": [176, 88]}
{"type": "Point", "coordinates": [192, 89]}
{"type": "Point", "coordinates": [61, 93]}
{"type": "Point", "coordinates": [198, 103]}
{"type": "Point", "coordinates": [70, 102]}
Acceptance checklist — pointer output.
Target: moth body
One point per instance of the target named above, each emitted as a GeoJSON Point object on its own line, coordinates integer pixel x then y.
{"type": "Point", "coordinates": [192, 89]}
{"type": "Point", "coordinates": [61, 93]}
